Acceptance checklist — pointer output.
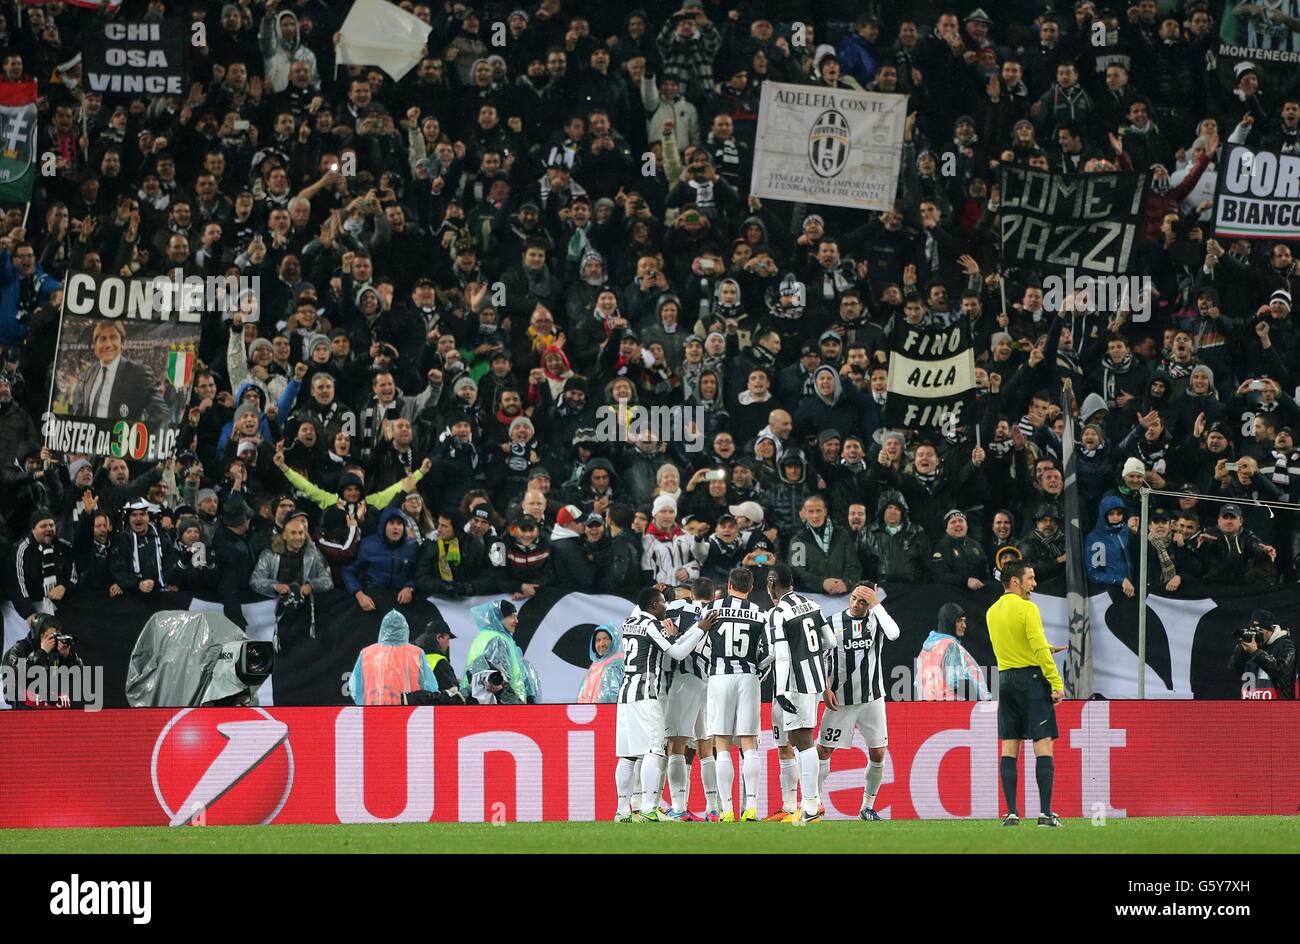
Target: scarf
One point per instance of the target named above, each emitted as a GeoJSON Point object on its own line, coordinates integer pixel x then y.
{"type": "Point", "coordinates": [1111, 373]}
{"type": "Point", "coordinates": [927, 479]}
{"type": "Point", "coordinates": [824, 539]}
{"type": "Point", "coordinates": [448, 557]}
{"type": "Point", "coordinates": [665, 536]}
{"type": "Point", "coordinates": [1167, 571]}
{"type": "Point", "coordinates": [135, 553]}
{"type": "Point", "coordinates": [1175, 370]}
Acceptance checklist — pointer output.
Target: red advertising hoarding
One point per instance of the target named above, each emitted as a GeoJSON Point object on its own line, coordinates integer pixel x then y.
{"type": "Point", "coordinates": [556, 762]}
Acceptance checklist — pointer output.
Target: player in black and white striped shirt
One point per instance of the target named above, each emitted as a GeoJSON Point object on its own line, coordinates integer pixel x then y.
{"type": "Point", "coordinates": [799, 639]}
{"type": "Point", "coordinates": [685, 709]}
{"type": "Point", "coordinates": [640, 723]}
{"type": "Point", "coordinates": [735, 699]}
{"type": "Point", "coordinates": [855, 687]}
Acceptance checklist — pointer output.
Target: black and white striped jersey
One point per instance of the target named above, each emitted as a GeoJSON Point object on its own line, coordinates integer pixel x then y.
{"type": "Point", "coordinates": [856, 672]}
{"type": "Point", "coordinates": [644, 643]}
{"type": "Point", "coordinates": [799, 638]}
{"type": "Point", "coordinates": [685, 614]}
{"type": "Point", "coordinates": [734, 639]}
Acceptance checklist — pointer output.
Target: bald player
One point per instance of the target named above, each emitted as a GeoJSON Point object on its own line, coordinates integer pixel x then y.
{"type": "Point", "coordinates": [1029, 688]}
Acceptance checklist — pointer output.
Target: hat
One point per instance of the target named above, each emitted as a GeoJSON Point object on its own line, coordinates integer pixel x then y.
{"type": "Point", "coordinates": [1047, 510]}
{"type": "Point", "coordinates": [1160, 514]}
{"type": "Point", "coordinates": [1281, 295]}
{"type": "Point", "coordinates": [1023, 121]}
{"type": "Point", "coordinates": [521, 421]}
{"type": "Point", "coordinates": [1134, 466]}
{"type": "Point", "coordinates": [236, 511]}
{"type": "Point", "coordinates": [826, 435]}
{"type": "Point", "coordinates": [866, 19]}
{"type": "Point", "coordinates": [1188, 488]}
{"type": "Point", "coordinates": [257, 345]}
{"type": "Point", "coordinates": [978, 16]}
{"type": "Point", "coordinates": [246, 445]}
{"type": "Point", "coordinates": [893, 434]}
{"type": "Point", "coordinates": [185, 523]}
{"type": "Point", "coordinates": [1242, 68]}
{"type": "Point", "coordinates": [955, 513]}
{"type": "Point", "coordinates": [569, 515]}
{"type": "Point", "coordinates": [203, 495]}
{"type": "Point", "coordinates": [245, 408]}
{"type": "Point", "coordinates": [529, 203]}
{"type": "Point", "coordinates": [964, 119]}
{"type": "Point", "coordinates": [439, 627]}
{"type": "Point", "coordinates": [315, 341]}
{"type": "Point", "coordinates": [76, 466]}
{"type": "Point", "coordinates": [662, 503]}
{"type": "Point", "coordinates": [1262, 618]}
{"type": "Point", "coordinates": [1230, 511]}
{"type": "Point", "coordinates": [506, 608]}
{"type": "Point", "coordinates": [481, 512]}
{"type": "Point", "coordinates": [829, 335]}
{"type": "Point", "coordinates": [998, 337]}
{"type": "Point", "coordinates": [750, 509]}
{"type": "Point", "coordinates": [1202, 369]}
{"type": "Point", "coordinates": [575, 383]}
{"type": "Point", "coordinates": [526, 522]}
{"type": "Point", "coordinates": [594, 518]}
{"type": "Point", "coordinates": [39, 515]}
{"type": "Point", "coordinates": [463, 382]}
{"type": "Point", "coordinates": [539, 473]}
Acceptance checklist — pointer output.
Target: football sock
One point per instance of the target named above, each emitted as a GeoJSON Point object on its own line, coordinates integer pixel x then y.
{"type": "Point", "coordinates": [1008, 769]}
{"type": "Point", "coordinates": [1045, 770]}
{"type": "Point", "coordinates": [789, 784]}
{"type": "Point", "coordinates": [653, 766]}
{"type": "Point", "coordinates": [623, 778]}
{"type": "Point", "coordinates": [709, 777]}
{"type": "Point", "coordinates": [823, 771]}
{"type": "Point", "coordinates": [678, 778]}
{"type": "Point", "coordinates": [637, 797]}
{"type": "Point", "coordinates": [686, 787]}
{"type": "Point", "coordinates": [753, 770]}
{"type": "Point", "coordinates": [809, 764]}
{"type": "Point", "coordinates": [875, 774]}
{"type": "Point", "coordinates": [663, 779]}
{"type": "Point", "coordinates": [726, 772]}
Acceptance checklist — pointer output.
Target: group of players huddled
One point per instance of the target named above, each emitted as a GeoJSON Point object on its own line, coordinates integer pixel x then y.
{"type": "Point", "coordinates": [691, 687]}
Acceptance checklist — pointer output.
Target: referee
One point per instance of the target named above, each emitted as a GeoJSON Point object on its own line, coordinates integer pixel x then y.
{"type": "Point", "coordinates": [1029, 687]}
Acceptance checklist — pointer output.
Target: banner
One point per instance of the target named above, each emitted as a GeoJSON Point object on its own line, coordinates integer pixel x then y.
{"type": "Point", "coordinates": [158, 767]}
{"type": "Point", "coordinates": [1257, 195]}
{"type": "Point", "coordinates": [931, 375]}
{"type": "Point", "coordinates": [1090, 223]}
{"type": "Point", "coordinates": [1077, 673]}
{"type": "Point", "coordinates": [1189, 640]}
{"type": "Point", "coordinates": [126, 58]}
{"type": "Point", "coordinates": [18, 124]}
{"type": "Point", "coordinates": [828, 146]}
{"type": "Point", "coordinates": [384, 35]}
{"type": "Point", "coordinates": [106, 5]}
{"type": "Point", "coordinates": [123, 344]}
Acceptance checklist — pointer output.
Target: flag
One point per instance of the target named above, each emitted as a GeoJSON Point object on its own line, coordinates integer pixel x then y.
{"type": "Point", "coordinates": [180, 366]}
{"type": "Point", "coordinates": [1078, 659]}
{"type": "Point", "coordinates": [381, 34]}
{"type": "Point", "coordinates": [108, 5]}
{"type": "Point", "coordinates": [18, 124]}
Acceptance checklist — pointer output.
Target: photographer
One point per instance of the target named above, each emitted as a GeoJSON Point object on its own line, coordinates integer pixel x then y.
{"type": "Point", "coordinates": [45, 646]}
{"type": "Point", "coordinates": [1264, 658]}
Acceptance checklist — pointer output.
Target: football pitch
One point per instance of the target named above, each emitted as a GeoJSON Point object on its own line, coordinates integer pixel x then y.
{"type": "Point", "coordinates": [1214, 834]}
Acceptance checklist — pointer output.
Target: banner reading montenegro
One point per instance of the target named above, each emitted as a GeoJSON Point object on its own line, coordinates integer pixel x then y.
{"type": "Point", "coordinates": [123, 367]}
{"type": "Point", "coordinates": [829, 146]}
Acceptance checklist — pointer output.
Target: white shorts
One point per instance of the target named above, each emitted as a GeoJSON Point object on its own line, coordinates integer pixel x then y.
{"type": "Point", "coordinates": [735, 706]}
{"type": "Point", "coordinates": [685, 713]}
{"type": "Point", "coordinates": [640, 729]}
{"type": "Point", "coordinates": [837, 726]}
{"type": "Point", "coordinates": [803, 718]}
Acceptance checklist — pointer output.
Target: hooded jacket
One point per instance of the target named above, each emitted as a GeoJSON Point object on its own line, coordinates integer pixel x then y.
{"type": "Point", "coordinates": [945, 671]}
{"type": "Point", "coordinates": [786, 497]}
{"type": "Point", "coordinates": [279, 54]}
{"type": "Point", "coordinates": [899, 556]}
{"type": "Point", "coordinates": [381, 563]}
{"type": "Point", "coordinates": [494, 648]}
{"type": "Point", "coordinates": [391, 667]}
{"type": "Point", "coordinates": [1106, 549]}
{"type": "Point", "coordinates": [815, 413]}
{"type": "Point", "coordinates": [605, 676]}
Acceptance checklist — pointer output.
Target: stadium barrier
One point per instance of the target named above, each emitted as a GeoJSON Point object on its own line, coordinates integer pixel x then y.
{"type": "Point", "coordinates": [152, 767]}
{"type": "Point", "coordinates": [1189, 638]}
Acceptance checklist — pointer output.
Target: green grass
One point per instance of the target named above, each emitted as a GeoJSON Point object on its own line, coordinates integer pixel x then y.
{"type": "Point", "coordinates": [1220, 834]}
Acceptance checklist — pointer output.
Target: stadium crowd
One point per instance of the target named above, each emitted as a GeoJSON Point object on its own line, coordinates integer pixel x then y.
{"type": "Point", "coordinates": [459, 268]}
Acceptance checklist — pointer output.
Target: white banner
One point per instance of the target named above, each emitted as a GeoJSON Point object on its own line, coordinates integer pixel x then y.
{"type": "Point", "coordinates": [828, 146]}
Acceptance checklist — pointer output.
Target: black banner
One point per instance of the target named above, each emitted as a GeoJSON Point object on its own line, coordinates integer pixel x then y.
{"type": "Point", "coordinates": [1090, 223]}
{"type": "Point", "coordinates": [931, 376]}
{"type": "Point", "coordinates": [1257, 195]}
{"type": "Point", "coordinates": [123, 58]}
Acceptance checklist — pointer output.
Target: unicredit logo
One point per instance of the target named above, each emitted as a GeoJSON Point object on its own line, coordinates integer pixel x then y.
{"type": "Point", "coordinates": [223, 767]}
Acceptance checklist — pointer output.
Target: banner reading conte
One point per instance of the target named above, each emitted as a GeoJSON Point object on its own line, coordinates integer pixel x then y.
{"type": "Point", "coordinates": [123, 367]}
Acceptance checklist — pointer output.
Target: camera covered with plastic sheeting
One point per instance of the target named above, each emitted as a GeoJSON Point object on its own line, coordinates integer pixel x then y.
{"type": "Point", "coordinates": [185, 659]}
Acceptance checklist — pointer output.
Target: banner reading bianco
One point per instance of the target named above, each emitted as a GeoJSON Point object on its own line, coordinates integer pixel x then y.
{"type": "Point", "coordinates": [123, 367]}
{"type": "Point", "coordinates": [828, 146]}
{"type": "Point", "coordinates": [1257, 195]}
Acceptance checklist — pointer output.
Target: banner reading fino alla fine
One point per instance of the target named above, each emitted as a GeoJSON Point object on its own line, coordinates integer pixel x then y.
{"type": "Point", "coordinates": [123, 367]}
{"type": "Point", "coordinates": [828, 146]}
